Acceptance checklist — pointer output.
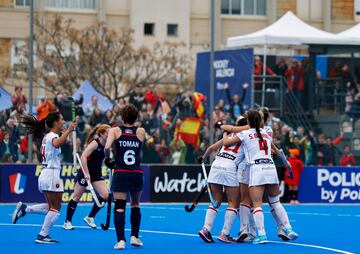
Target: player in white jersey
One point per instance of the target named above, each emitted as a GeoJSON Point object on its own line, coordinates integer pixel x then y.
{"type": "Point", "coordinates": [223, 175]}
{"type": "Point", "coordinates": [263, 175]}
{"type": "Point", "coordinates": [50, 183]}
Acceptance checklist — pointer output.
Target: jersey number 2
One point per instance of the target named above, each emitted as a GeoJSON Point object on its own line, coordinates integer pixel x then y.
{"type": "Point", "coordinates": [262, 148]}
{"type": "Point", "coordinates": [234, 150]}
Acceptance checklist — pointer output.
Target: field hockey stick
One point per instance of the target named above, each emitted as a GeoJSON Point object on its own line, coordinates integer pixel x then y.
{"type": "Point", "coordinates": [91, 188]}
{"type": "Point", "coordinates": [108, 211]}
{"type": "Point", "coordinates": [191, 208]}
{"type": "Point", "coordinates": [73, 116]}
{"type": "Point", "coordinates": [286, 164]}
{"type": "Point", "coordinates": [214, 203]}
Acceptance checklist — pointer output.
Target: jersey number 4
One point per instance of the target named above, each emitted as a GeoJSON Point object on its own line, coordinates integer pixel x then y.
{"type": "Point", "coordinates": [262, 148]}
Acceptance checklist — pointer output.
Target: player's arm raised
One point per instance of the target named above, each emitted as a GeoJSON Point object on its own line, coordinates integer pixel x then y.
{"type": "Point", "coordinates": [57, 142]}
{"type": "Point", "coordinates": [230, 141]}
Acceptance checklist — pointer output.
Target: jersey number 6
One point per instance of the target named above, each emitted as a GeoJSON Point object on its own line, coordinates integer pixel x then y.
{"type": "Point", "coordinates": [129, 157]}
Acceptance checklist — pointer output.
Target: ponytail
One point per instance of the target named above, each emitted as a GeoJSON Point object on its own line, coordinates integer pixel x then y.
{"type": "Point", "coordinates": [254, 119]}
{"type": "Point", "coordinates": [33, 127]}
{"type": "Point", "coordinates": [100, 129]}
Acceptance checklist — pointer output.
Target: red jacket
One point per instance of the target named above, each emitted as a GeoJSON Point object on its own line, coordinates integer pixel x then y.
{"type": "Point", "coordinates": [297, 167]}
{"type": "Point", "coordinates": [290, 75]}
{"type": "Point", "coordinates": [347, 160]}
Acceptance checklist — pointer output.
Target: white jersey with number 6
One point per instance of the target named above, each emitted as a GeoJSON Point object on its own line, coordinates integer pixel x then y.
{"type": "Point", "coordinates": [258, 156]}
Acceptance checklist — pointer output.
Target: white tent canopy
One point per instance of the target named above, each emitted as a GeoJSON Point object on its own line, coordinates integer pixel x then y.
{"type": "Point", "coordinates": [290, 30]}
{"type": "Point", "coordinates": [351, 33]}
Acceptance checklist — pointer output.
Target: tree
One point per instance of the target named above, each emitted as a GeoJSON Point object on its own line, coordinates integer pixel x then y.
{"type": "Point", "coordinates": [67, 56]}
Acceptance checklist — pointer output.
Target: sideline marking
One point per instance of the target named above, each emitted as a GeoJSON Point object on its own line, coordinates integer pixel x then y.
{"type": "Point", "coordinates": [184, 234]}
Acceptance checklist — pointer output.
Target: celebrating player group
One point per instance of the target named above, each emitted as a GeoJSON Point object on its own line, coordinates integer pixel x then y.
{"type": "Point", "coordinates": [243, 168]}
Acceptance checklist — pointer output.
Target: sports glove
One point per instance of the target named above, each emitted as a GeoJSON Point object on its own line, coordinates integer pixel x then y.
{"type": "Point", "coordinates": [200, 160]}
{"type": "Point", "coordinates": [110, 163]}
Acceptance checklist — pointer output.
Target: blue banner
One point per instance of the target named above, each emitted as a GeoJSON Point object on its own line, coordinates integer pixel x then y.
{"type": "Point", "coordinates": [19, 182]}
{"type": "Point", "coordinates": [233, 67]}
{"type": "Point", "coordinates": [330, 185]}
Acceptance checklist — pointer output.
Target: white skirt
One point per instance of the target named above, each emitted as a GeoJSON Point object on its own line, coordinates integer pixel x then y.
{"type": "Point", "coordinates": [243, 173]}
{"type": "Point", "coordinates": [49, 180]}
{"type": "Point", "coordinates": [262, 174]}
{"type": "Point", "coordinates": [223, 173]}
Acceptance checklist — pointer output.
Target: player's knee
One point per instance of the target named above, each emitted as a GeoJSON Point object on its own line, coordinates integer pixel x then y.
{"type": "Point", "coordinates": [120, 205]}
{"type": "Point", "coordinates": [274, 200]}
{"type": "Point", "coordinates": [104, 195]}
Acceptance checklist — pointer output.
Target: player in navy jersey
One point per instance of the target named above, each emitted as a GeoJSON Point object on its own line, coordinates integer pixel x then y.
{"type": "Point", "coordinates": [91, 160]}
{"type": "Point", "coordinates": [128, 176]}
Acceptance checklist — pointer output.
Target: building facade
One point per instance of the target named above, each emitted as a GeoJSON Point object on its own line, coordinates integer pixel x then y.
{"type": "Point", "coordinates": [174, 20]}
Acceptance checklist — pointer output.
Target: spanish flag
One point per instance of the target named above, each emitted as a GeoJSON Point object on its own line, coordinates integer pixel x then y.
{"type": "Point", "coordinates": [189, 131]}
{"type": "Point", "coordinates": [198, 99]}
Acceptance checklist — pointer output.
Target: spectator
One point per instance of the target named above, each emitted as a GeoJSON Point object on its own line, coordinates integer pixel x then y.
{"type": "Point", "coordinates": [322, 151]}
{"type": "Point", "coordinates": [90, 107]}
{"type": "Point", "coordinates": [44, 108]}
{"type": "Point", "coordinates": [152, 96]}
{"type": "Point", "coordinates": [293, 183]}
{"type": "Point", "coordinates": [14, 138]}
{"type": "Point", "coordinates": [178, 149]}
{"type": "Point", "coordinates": [281, 67]}
{"type": "Point", "coordinates": [236, 104]}
{"type": "Point", "coordinates": [18, 98]}
{"type": "Point", "coordinates": [258, 70]}
{"type": "Point", "coordinates": [96, 118]}
{"type": "Point", "coordinates": [295, 77]}
{"type": "Point", "coordinates": [136, 97]}
{"type": "Point", "coordinates": [5, 150]}
{"type": "Point", "coordinates": [218, 115]}
{"type": "Point", "coordinates": [64, 104]}
{"type": "Point", "coordinates": [334, 153]}
{"type": "Point", "coordinates": [348, 159]}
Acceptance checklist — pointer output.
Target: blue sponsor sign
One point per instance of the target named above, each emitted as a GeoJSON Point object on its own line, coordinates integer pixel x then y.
{"type": "Point", "coordinates": [19, 182]}
{"type": "Point", "coordinates": [330, 185]}
{"type": "Point", "coordinates": [233, 67]}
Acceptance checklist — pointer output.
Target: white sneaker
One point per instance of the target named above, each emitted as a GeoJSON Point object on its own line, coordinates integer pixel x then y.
{"type": "Point", "coordinates": [67, 225]}
{"type": "Point", "coordinates": [120, 245]}
{"type": "Point", "coordinates": [134, 241]}
{"type": "Point", "coordinates": [90, 221]}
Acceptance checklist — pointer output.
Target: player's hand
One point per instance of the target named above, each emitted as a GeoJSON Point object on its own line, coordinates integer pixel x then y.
{"type": "Point", "coordinates": [201, 160]}
{"type": "Point", "coordinates": [87, 176]}
{"type": "Point", "coordinates": [110, 163]}
{"type": "Point", "coordinates": [218, 124]}
{"type": "Point", "coordinates": [73, 125]}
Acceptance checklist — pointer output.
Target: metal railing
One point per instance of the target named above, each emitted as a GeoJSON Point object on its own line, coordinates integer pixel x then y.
{"type": "Point", "coordinates": [273, 92]}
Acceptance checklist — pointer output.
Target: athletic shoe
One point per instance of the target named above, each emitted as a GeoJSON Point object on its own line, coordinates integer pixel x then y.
{"type": "Point", "coordinates": [291, 234]}
{"type": "Point", "coordinates": [242, 236]}
{"type": "Point", "coordinates": [206, 235]}
{"type": "Point", "coordinates": [134, 241]}
{"type": "Point", "coordinates": [68, 226]}
{"type": "Point", "coordinates": [18, 212]}
{"type": "Point", "coordinates": [120, 245]}
{"type": "Point", "coordinates": [261, 239]}
{"type": "Point", "coordinates": [45, 239]}
{"type": "Point", "coordinates": [90, 221]}
{"type": "Point", "coordinates": [250, 238]}
{"type": "Point", "coordinates": [282, 234]}
{"type": "Point", "coordinates": [225, 238]}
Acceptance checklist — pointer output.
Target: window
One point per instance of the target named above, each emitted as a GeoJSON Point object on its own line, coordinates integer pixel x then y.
{"type": "Point", "coordinates": [22, 3]}
{"type": "Point", "coordinates": [357, 8]}
{"type": "Point", "coordinates": [244, 7]}
{"type": "Point", "coordinates": [149, 28]}
{"type": "Point", "coordinates": [172, 30]}
{"type": "Point", "coordinates": [18, 59]}
{"type": "Point", "coordinates": [71, 4]}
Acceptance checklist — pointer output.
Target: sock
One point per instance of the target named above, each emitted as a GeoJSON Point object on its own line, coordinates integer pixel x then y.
{"type": "Point", "coordinates": [95, 209]}
{"type": "Point", "coordinates": [252, 227]}
{"type": "Point", "coordinates": [295, 195]}
{"type": "Point", "coordinates": [245, 214]}
{"type": "Point", "coordinates": [49, 221]}
{"type": "Point", "coordinates": [210, 217]}
{"type": "Point", "coordinates": [71, 209]}
{"type": "Point", "coordinates": [230, 216]}
{"type": "Point", "coordinates": [37, 209]}
{"type": "Point", "coordinates": [259, 221]}
{"type": "Point", "coordinates": [292, 196]}
{"type": "Point", "coordinates": [275, 217]}
{"type": "Point", "coordinates": [135, 219]}
{"type": "Point", "coordinates": [281, 215]}
{"type": "Point", "coordinates": [119, 222]}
